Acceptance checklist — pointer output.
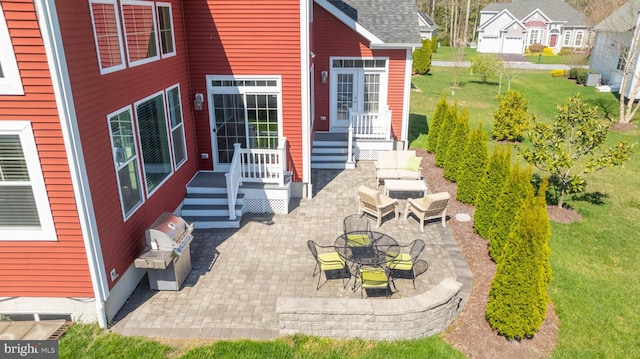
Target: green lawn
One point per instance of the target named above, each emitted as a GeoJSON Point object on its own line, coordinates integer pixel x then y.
{"type": "Point", "coordinates": [555, 59]}
{"type": "Point", "coordinates": [595, 286]}
{"type": "Point", "coordinates": [446, 53]}
{"type": "Point", "coordinates": [88, 341]}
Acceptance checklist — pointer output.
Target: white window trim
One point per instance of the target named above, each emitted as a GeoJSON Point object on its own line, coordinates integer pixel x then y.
{"type": "Point", "coordinates": [277, 89]}
{"type": "Point", "coordinates": [184, 139]}
{"type": "Point", "coordinates": [47, 229]}
{"type": "Point", "coordinates": [155, 27]}
{"type": "Point", "coordinates": [136, 160]}
{"type": "Point", "coordinates": [166, 128]}
{"type": "Point", "coordinates": [11, 83]}
{"type": "Point", "coordinates": [123, 65]}
{"type": "Point", "coordinates": [173, 30]}
{"type": "Point", "coordinates": [384, 81]}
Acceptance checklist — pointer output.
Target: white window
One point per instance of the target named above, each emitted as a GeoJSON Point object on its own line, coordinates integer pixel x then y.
{"type": "Point", "coordinates": [165, 29]}
{"type": "Point", "coordinates": [25, 213]}
{"type": "Point", "coordinates": [125, 157]}
{"type": "Point", "coordinates": [176, 125]}
{"type": "Point", "coordinates": [567, 38]}
{"type": "Point", "coordinates": [107, 35]}
{"type": "Point", "coordinates": [578, 41]}
{"type": "Point", "coordinates": [140, 31]}
{"type": "Point", "coordinates": [154, 140]}
{"type": "Point", "coordinates": [535, 36]}
{"type": "Point", "coordinates": [10, 81]}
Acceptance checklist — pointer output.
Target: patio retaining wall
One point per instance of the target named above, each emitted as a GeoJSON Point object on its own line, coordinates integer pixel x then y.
{"type": "Point", "coordinates": [418, 316]}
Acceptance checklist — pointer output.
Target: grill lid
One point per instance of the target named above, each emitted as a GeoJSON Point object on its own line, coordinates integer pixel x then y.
{"type": "Point", "coordinates": [169, 233]}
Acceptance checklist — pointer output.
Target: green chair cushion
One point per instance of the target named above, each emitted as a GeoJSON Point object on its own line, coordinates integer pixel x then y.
{"type": "Point", "coordinates": [373, 278]}
{"type": "Point", "coordinates": [413, 164]}
{"type": "Point", "coordinates": [358, 240]}
{"type": "Point", "coordinates": [330, 261]}
{"type": "Point", "coordinates": [401, 262]}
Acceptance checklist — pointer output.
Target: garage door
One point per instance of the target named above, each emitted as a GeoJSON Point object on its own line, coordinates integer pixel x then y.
{"type": "Point", "coordinates": [489, 44]}
{"type": "Point", "coordinates": [512, 45]}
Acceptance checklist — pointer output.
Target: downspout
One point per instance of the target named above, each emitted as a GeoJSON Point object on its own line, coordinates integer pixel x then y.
{"type": "Point", "coordinates": [407, 97]}
{"type": "Point", "coordinates": [50, 29]}
{"type": "Point", "coordinates": [305, 96]}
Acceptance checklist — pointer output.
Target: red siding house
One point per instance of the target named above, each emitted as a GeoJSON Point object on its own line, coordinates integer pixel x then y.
{"type": "Point", "coordinates": [115, 111]}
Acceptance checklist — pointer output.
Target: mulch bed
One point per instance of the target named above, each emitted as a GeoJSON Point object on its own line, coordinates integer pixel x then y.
{"type": "Point", "coordinates": [470, 332]}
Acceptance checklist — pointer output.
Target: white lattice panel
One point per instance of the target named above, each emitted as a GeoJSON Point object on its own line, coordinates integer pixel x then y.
{"type": "Point", "coordinates": [277, 206]}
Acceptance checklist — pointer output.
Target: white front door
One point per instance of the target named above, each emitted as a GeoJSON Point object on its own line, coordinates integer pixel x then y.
{"type": "Point", "coordinates": [356, 84]}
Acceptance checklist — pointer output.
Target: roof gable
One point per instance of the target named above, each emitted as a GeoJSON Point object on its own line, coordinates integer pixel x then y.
{"type": "Point", "coordinates": [503, 16]}
{"type": "Point", "coordinates": [385, 23]}
{"type": "Point", "coordinates": [554, 10]}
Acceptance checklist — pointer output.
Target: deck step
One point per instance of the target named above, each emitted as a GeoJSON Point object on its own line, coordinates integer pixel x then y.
{"type": "Point", "coordinates": [206, 222]}
{"type": "Point", "coordinates": [209, 210]}
{"type": "Point", "coordinates": [209, 198]}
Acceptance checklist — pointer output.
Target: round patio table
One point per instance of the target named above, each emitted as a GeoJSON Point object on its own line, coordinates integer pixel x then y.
{"type": "Point", "coordinates": [366, 248]}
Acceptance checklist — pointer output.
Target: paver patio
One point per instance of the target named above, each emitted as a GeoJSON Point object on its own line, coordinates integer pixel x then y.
{"type": "Point", "coordinates": [238, 274]}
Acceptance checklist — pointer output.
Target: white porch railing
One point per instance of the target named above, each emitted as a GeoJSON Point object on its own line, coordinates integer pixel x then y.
{"type": "Point", "coordinates": [255, 165]}
{"type": "Point", "coordinates": [371, 125]}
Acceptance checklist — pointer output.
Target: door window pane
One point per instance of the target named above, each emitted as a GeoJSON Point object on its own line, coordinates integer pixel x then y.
{"type": "Point", "coordinates": [371, 92]}
{"type": "Point", "coordinates": [262, 113]}
{"type": "Point", "coordinates": [230, 124]}
{"type": "Point", "coordinates": [345, 95]}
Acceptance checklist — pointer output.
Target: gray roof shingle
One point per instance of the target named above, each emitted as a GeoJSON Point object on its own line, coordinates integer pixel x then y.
{"type": "Point", "coordinates": [556, 10]}
{"type": "Point", "coordinates": [393, 21]}
{"type": "Point", "coordinates": [623, 19]}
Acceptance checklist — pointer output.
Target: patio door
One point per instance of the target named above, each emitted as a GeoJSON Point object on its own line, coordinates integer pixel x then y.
{"type": "Point", "coordinates": [245, 112]}
{"type": "Point", "coordinates": [356, 84]}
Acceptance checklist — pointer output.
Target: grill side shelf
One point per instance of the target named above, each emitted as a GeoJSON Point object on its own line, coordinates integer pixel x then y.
{"type": "Point", "coordinates": [154, 259]}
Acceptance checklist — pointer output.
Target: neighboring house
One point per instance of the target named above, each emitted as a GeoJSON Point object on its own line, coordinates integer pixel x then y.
{"type": "Point", "coordinates": [617, 36]}
{"type": "Point", "coordinates": [428, 27]}
{"type": "Point", "coordinates": [509, 28]}
{"type": "Point", "coordinates": [112, 112]}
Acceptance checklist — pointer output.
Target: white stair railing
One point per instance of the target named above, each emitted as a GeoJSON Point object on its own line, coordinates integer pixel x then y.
{"type": "Point", "coordinates": [255, 165]}
{"type": "Point", "coordinates": [373, 125]}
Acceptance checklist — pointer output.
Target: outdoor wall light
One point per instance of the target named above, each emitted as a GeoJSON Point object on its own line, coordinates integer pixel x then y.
{"type": "Point", "coordinates": [198, 101]}
{"type": "Point", "coordinates": [324, 76]}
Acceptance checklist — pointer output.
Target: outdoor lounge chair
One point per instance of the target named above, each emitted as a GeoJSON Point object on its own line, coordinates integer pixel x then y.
{"type": "Point", "coordinates": [407, 260]}
{"type": "Point", "coordinates": [328, 261]}
{"type": "Point", "coordinates": [376, 204]}
{"type": "Point", "coordinates": [431, 206]}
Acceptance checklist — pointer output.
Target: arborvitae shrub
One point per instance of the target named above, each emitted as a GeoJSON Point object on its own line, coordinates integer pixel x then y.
{"type": "Point", "coordinates": [445, 134]}
{"type": "Point", "coordinates": [473, 166]}
{"type": "Point", "coordinates": [457, 143]}
{"type": "Point", "coordinates": [436, 123]}
{"type": "Point", "coordinates": [513, 194]}
{"type": "Point", "coordinates": [422, 58]}
{"type": "Point", "coordinates": [490, 189]}
{"type": "Point", "coordinates": [511, 120]}
{"type": "Point", "coordinates": [518, 297]}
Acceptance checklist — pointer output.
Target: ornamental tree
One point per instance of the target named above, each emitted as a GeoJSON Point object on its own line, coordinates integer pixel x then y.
{"type": "Point", "coordinates": [485, 66]}
{"type": "Point", "coordinates": [436, 122]}
{"type": "Point", "coordinates": [490, 190]}
{"type": "Point", "coordinates": [456, 146]}
{"type": "Point", "coordinates": [511, 120]}
{"type": "Point", "coordinates": [572, 146]}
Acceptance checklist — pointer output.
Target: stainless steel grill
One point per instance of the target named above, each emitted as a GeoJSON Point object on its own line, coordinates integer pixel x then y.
{"type": "Point", "coordinates": [167, 257]}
